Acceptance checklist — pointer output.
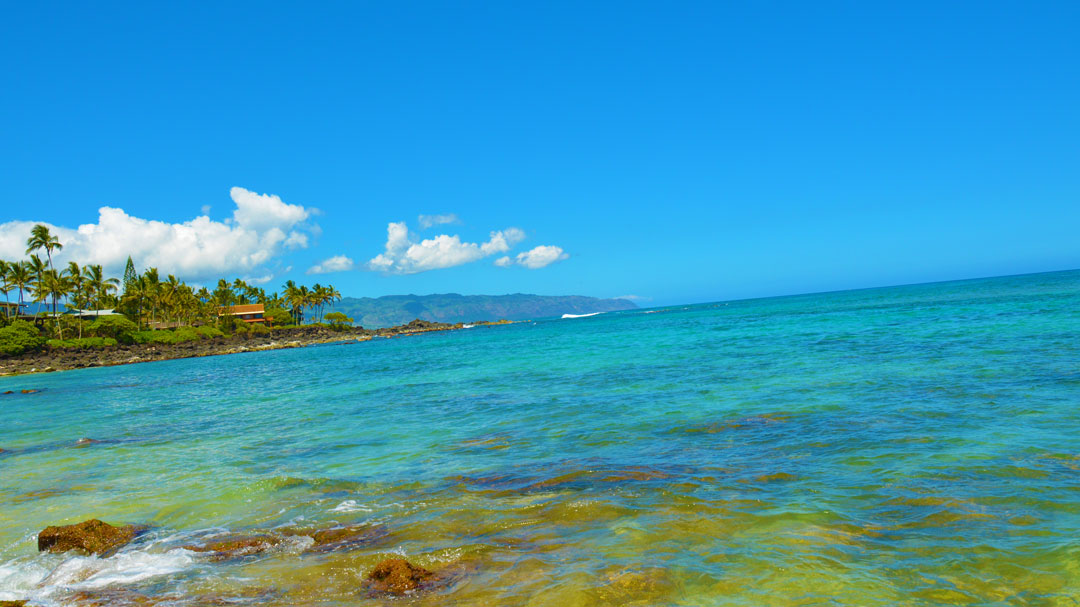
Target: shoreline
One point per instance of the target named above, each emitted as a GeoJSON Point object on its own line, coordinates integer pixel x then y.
{"type": "Point", "coordinates": [68, 359]}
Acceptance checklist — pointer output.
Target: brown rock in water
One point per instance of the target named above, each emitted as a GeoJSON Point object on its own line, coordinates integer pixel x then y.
{"type": "Point", "coordinates": [9, 392]}
{"type": "Point", "coordinates": [92, 536]}
{"type": "Point", "coordinates": [112, 597]}
{"type": "Point", "coordinates": [12, 603]}
{"type": "Point", "coordinates": [340, 538]}
{"type": "Point", "coordinates": [398, 576]}
{"type": "Point", "coordinates": [237, 546]}
{"type": "Point", "coordinates": [30, 391]}
{"type": "Point", "coordinates": [86, 441]}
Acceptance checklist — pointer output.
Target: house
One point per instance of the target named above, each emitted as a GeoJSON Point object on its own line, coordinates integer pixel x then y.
{"type": "Point", "coordinates": [90, 314]}
{"type": "Point", "coordinates": [12, 310]}
{"type": "Point", "coordinates": [250, 313]}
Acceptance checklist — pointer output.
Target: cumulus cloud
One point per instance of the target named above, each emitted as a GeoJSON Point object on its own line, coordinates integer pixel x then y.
{"type": "Point", "coordinates": [427, 221]}
{"type": "Point", "coordinates": [337, 263]}
{"type": "Point", "coordinates": [262, 226]}
{"type": "Point", "coordinates": [405, 255]}
{"type": "Point", "coordinates": [534, 259]}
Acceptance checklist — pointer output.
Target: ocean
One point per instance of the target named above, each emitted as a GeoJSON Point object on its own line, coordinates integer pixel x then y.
{"type": "Point", "coordinates": [915, 445]}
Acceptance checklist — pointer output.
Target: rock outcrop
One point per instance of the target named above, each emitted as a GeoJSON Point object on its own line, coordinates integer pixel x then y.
{"type": "Point", "coordinates": [92, 536]}
{"type": "Point", "coordinates": [236, 547]}
{"type": "Point", "coordinates": [398, 576]}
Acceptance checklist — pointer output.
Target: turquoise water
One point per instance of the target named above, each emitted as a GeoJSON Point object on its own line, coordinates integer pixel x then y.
{"type": "Point", "coordinates": [913, 445]}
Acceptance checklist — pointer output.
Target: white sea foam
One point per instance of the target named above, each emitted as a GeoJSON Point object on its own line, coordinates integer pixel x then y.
{"type": "Point", "coordinates": [19, 578]}
{"type": "Point", "coordinates": [351, 506]}
{"type": "Point", "coordinates": [580, 315]}
{"type": "Point", "coordinates": [123, 568]}
{"type": "Point", "coordinates": [40, 577]}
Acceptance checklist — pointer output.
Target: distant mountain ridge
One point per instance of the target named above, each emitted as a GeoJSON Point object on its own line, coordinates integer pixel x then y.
{"type": "Point", "coordinates": [391, 310]}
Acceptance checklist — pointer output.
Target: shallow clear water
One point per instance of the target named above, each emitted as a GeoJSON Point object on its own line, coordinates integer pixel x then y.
{"type": "Point", "coordinates": [912, 445]}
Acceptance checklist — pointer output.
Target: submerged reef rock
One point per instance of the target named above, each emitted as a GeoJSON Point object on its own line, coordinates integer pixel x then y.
{"type": "Point", "coordinates": [91, 536]}
{"type": "Point", "coordinates": [329, 540]}
{"type": "Point", "coordinates": [112, 597]}
{"type": "Point", "coordinates": [398, 576]}
{"type": "Point", "coordinates": [235, 547]}
{"type": "Point", "coordinates": [86, 441]}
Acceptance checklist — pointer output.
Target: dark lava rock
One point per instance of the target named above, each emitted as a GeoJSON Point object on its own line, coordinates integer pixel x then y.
{"type": "Point", "coordinates": [236, 547]}
{"type": "Point", "coordinates": [91, 536]}
{"type": "Point", "coordinates": [398, 576]}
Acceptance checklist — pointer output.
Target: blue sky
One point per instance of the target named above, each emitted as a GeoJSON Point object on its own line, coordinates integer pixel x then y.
{"type": "Point", "coordinates": [681, 152]}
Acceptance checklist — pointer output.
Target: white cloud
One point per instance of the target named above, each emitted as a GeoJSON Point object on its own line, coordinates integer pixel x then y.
{"type": "Point", "coordinates": [539, 257]}
{"type": "Point", "coordinates": [404, 255]}
{"type": "Point", "coordinates": [259, 280]}
{"type": "Point", "coordinates": [634, 297]}
{"type": "Point", "coordinates": [261, 227]}
{"type": "Point", "coordinates": [337, 263]}
{"type": "Point", "coordinates": [426, 221]}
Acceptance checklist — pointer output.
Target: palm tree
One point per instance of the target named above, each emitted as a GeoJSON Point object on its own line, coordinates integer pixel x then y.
{"type": "Point", "coordinates": [5, 271]}
{"type": "Point", "coordinates": [37, 269]}
{"type": "Point", "coordinates": [40, 238]}
{"type": "Point", "coordinates": [136, 297]}
{"type": "Point", "coordinates": [78, 296]}
{"type": "Point", "coordinates": [292, 298]}
{"type": "Point", "coordinates": [100, 286]}
{"type": "Point", "coordinates": [54, 285]}
{"type": "Point", "coordinates": [74, 275]}
{"type": "Point", "coordinates": [152, 290]}
{"type": "Point", "coordinates": [20, 277]}
{"type": "Point", "coordinates": [241, 289]}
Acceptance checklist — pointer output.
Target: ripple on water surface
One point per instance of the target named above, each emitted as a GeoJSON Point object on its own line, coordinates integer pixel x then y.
{"type": "Point", "coordinates": [914, 445]}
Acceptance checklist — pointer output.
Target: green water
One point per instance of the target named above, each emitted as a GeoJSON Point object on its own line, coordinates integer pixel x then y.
{"type": "Point", "coordinates": [914, 445]}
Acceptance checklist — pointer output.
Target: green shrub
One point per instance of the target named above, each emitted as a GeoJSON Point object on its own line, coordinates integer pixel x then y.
{"type": "Point", "coordinates": [115, 326]}
{"type": "Point", "coordinates": [338, 319]}
{"type": "Point", "coordinates": [184, 334]}
{"type": "Point", "coordinates": [278, 317]}
{"type": "Point", "coordinates": [85, 342]}
{"type": "Point", "coordinates": [18, 337]}
{"type": "Point", "coordinates": [209, 332]}
{"type": "Point", "coordinates": [160, 336]}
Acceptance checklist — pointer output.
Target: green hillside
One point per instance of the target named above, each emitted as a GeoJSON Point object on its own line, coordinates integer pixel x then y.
{"type": "Point", "coordinates": [394, 310]}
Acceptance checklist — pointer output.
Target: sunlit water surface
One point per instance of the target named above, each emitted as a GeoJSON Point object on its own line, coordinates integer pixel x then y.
{"type": "Point", "coordinates": [914, 445]}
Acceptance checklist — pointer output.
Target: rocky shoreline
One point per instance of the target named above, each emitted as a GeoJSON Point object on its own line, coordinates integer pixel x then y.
{"type": "Point", "coordinates": [65, 359]}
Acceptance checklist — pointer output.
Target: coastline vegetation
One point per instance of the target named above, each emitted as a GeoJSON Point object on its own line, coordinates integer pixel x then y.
{"type": "Point", "coordinates": [142, 308]}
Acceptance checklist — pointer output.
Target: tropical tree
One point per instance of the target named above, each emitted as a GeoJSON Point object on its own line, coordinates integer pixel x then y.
{"type": "Point", "coordinates": [20, 277]}
{"type": "Point", "coordinates": [52, 284]}
{"type": "Point", "coordinates": [37, 269]}
{"type": "Point", "coordinates": [101, 287]}
{"type": "Point", "coordinates": [41, 238]}
{"type": "Point", "coordinates": [5, 286]}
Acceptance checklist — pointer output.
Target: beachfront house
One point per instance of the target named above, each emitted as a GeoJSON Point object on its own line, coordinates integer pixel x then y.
{"type": "Point", "coordinates": [89, 314]}
{"type": "Point", "coordinates": [249, 313]}
{"type": "Point", "coordinates": [10, 310]}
